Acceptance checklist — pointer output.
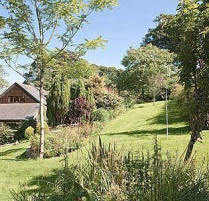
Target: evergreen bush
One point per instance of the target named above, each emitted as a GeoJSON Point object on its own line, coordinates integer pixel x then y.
{"type": "Point", "coordinates": [29, 132]}
{"type": "Point", "coordinates": [6, 135]}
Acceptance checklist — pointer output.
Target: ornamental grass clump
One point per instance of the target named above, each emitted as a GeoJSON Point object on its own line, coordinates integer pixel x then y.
{"type": "Point", "coordinates": [108, 174]}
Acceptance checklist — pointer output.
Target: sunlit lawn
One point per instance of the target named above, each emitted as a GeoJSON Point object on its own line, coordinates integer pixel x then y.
{"type": "Point", "coordinates": [136, 129]}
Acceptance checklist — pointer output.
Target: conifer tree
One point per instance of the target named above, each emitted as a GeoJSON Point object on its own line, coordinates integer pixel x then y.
{"type": "Point", "coordinates": [58, 100]}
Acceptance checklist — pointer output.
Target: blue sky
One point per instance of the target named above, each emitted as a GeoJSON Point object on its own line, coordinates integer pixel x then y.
{"type": "Point", "coordinates": [124, 26]}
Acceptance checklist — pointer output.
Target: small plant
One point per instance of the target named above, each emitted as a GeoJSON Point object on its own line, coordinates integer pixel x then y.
{"type": "Point", "coordinates": [46, 128]}
{"type": "Point", "coordinates": [6, 135]}
{"type": "Point", "coordinates": [23, 126]}
{"type": "Point", "coordinates": [101, 115]}
{"type": "Point", "coordinates": [29, 132]}
{"type": "Point", "coordinates": [129, 102]}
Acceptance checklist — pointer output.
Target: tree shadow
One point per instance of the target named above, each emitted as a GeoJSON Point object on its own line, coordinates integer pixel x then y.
{"type": "Point", "coordinates": [139, 133]}
{"type": "Point", "coordinates": [174, 115]}
{"type": "Point", "coordinates": [21, 157]}
{"type": "Point", "coordinates": [40, 184]}
{"type": "Point", "coordinates": [10, 151]}
{"type": "Point", "coordinates": [138, 106]}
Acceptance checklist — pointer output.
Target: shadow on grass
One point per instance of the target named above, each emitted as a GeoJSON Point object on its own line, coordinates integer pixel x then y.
{"type": "Point", "coordinates": [11, 151]}
{"type": "Point", "coordinates": [21, 157]}
{"type": "Point", "coordinates": [138, 106]}
{"type": "Point", "coordinates": [138, 133]}
{"type": "Point", "coordinates": [39, 184]}
{"type": "Point", "coordinates": [174, 115]}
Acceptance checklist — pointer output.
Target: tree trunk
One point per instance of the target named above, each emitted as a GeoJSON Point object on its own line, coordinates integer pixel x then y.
{"type": "Point", "coordinates": [41, 118]}
{"type": "Point", "coordinates": [194, 137]}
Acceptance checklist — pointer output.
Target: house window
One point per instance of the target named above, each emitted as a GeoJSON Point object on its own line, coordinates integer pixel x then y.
{"type": "Point", "coordinates": [16, 99]}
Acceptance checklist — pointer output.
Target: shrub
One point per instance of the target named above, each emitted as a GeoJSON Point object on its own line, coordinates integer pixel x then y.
{"type": "Point", "coordinates": [46, 128]}
{"type": "Point", "coordinates": [29, 132]}
{"type": "Point", "coordinates": [56, 144]}
{"type": "Point", "coordinates": [101, 115]}
{"type": "Point", "coordinates": [104, 97]}
{"type": "Point", "coordinates": [6, 135]}
{"type": "Point", "coordinates": [23, 126]}
{"type": "Point", "coordinates": [80, 110]}
{"type": "Point", "coordinates": [129, 102]}
{"type": "Point", "coordinates": [109, 101]}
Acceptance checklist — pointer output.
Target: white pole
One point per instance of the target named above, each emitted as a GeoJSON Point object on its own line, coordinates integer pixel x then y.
{"type": "Point", "coordinates": [166, 110]}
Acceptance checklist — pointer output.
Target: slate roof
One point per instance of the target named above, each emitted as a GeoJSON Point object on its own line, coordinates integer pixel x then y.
{"type": "Point", "coordinates": [33, 91]}
{"type": "Point", "coordinates": [18, 111]}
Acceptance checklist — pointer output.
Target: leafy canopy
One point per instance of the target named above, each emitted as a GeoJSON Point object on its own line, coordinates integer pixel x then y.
{"type": "Point", "coordinates": [147, 68]}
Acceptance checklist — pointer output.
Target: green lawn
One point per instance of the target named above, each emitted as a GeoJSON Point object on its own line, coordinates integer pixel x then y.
{"type": "Point", "coordinates": [137, 127]}
{"type": "Point", "coordinates": [133, 130]}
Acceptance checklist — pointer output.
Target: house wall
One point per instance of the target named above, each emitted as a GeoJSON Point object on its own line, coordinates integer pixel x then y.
{"type": "Point", "coordinates": [16, 91]}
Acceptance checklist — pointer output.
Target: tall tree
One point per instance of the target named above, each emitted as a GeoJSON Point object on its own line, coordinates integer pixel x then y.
{"type": "Point", "coordinates": [58, 100]}
{"type": "Point", "coordinates": [160, 36]}
{"type": "Point", "coordinates": [66, 62]}
{"type": "Point", "coordinates": [147, 68]}
{"type": "Point", "coordinates": [190, 30]}
{"type": "Point", "coordinates": [32, 27]}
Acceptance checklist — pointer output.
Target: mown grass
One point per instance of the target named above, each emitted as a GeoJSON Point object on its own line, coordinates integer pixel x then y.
{"type": "Point", "coordinates": [136, 128]}
{"type": "Point", "coordinates": [133, 130]}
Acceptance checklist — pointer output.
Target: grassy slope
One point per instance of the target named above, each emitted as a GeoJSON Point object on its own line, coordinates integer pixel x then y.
{"type": "Point", "coordinates": [135, 129]}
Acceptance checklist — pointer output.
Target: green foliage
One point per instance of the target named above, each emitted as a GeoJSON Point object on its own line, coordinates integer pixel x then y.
{"type": "Point", "coordinates": [32, 27]}
{"type": "Point", "coordinates": [104, 97]}
{"type": "Point", "coordinates": [101, 115]}
{"type": "Point", "coordinates": [78, 89]}
{"type": "Point", "coordinates": [46, 127]}
{"type": "Point", "coordinates": [159, 36]}
{"type": "Point", "coordinates": [111, 75]}
{"type": "Point", "coordinates": [23, 126]}
{"type": "Point", "coordinates": [111, 175]}
{"type": "Point", "coordinates": [82, 89]}
{"type": "Point", "coordinates": [147, 69]}
{"type": "Point", "coordinates": [56, 144]}
{"type": "Point", "coordinates": [90, 97]}
{"type": "Point", "coordinates": [58, 100]}
{"type": "Point", "coordinates": [3, 82]}
{"type": "Point", "coordinates": [73, 66]}
{"type": "Point", "coordinates": [129, 102]}
{"type": "Point", "coordinates": [189, 29]}
{"type": "Point", "coordinates": [6, 135]}
{"type": "Point", "coordinates": [109, 101]}
{"type": "Point", "coordinates": [49, 16]}
{"type": "Point", "coordinates": [29, 132]}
